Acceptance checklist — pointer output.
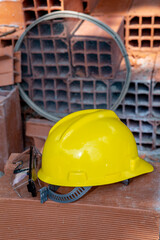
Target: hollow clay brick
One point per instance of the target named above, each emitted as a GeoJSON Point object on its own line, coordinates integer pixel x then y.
{"type": "Point", "coordinates": [94, 52]}
{"type": "Point", "coordinates": [142, 26]}
{"type": "Point", "coordinates": [10, 125]}
{"type": "Point", "coordinates": [10, 66]}
{"type": "Point", "coordinates": [137, 102]}
{"type": "Point", "coordinates": [35, 8]}
{"type": "Point", "coordinates": [114, 211]}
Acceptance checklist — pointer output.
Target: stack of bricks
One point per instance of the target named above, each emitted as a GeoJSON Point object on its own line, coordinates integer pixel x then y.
{"type": "Point", "coordinates": [70, 70]}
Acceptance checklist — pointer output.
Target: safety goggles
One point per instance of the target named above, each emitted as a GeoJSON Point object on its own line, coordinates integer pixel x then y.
{"type": "Point", "coordinates": [25, 173]}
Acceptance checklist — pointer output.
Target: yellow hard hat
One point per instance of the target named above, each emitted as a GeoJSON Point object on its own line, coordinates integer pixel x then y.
{"type": "Point", "coordinates": [90, 148]}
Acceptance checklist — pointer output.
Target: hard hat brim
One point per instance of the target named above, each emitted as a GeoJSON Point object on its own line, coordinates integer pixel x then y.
{"type": "Point", "coordinates": [142, 167]}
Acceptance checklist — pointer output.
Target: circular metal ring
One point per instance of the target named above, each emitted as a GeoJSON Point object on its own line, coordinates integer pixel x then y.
{"type": "Point", "coordinates": [82, 16]}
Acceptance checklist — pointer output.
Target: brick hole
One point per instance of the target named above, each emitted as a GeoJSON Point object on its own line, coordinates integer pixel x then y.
{"type": "Point", "coordinates": [107, 70]}
{"type": "Point", "coordinates": [147, 137]}
{"type": "Point", "coordinates": [49, 83]}
{"type": "Point", "coordinates": [134, 125]}
{"type": "Point", "coordinates": [156, 111]}
{"type": "Point", "coordinates": [88, 98]}
{"type": "Point", "coordinates": [33, 31]}
{"type": "Point", "coordinates": [136, 136]}
{"type": "Point", "coordinates": [85, 5]}
{"type": "Point", "coordinates": [88, 106]}
{"type": "Point", "coordinates": [146, 20]}
{"type": "Point", "coordinates": [75, 97]}
{"type": "Point", "coordinates": [143, 110]}
{"type": "Point", "coordinates": [61, 95]}
{"type": "Point", "coordinates": [101, 98]}
{"type": "Point", "coordinates": [64, 70]}
{"type": "Point", "coordinates": [75, 86]}
{"type": "Point", "coordinates": [157, 87]}
{"type": "Point", "coordinates": [79, 71]}
{"type": "Point", "coordinates": [88, 86]}
{"type": "Point", "coordinates": [119, 110]}
{"type": "Point", "coordinates": [47, 45]}
{"type": "Point", "coordinates": [92, 58]}
{"type": "Point", "coordinates": [142, 99]}
{"type": "Point", "coordinates": [75, 107]}
{"type": "Point", "coordinates": [24, 70]}
{"type": "Point", "coordinates": [105, 58]}
{"type": "Point", "coordinates": [60, 45]}
{"type": "Point", "coordinates": [38, 71]}
{"type": "Point", "coordinates": [37, 59]}
{"type": "Point", "coordinates": [156, 43]}
{"type": "Point", "coordinates": [100, 86]}
{"type": "Point", "coordinates": [146, 146]}
{"type": "Point", "coordinates": [130, 109]}
{"type": "Point", "coordinates": [45, 29]}
{"type": "Point", "coordinates": [51, 71]}
{"type": "Point", "coordinates": [133, 43]}
{"type": "Point", "coordinates": [147, 127]}
{"type": "Point", "coordinates": [58, 28]}
{"type": "Point", "coordinates": [157, 20]}
{"type": "Point", "coordinates": [78, 46]}
{"type": "Point", "coordinates": [35, 45]}
{"type": "Point", "coordinates": [50, 106]}
{"type": "Point", "coordinates": [115, 96]}
{"type": "Point", "coordinates": [37, 94]}
{"type": "Point", "coordinates": [24, 58]}
{"type": "Point", "coordinates": [158, 129]}
{"type": "Point", "coordinates": [29, 16]}
{"type": "Point", "coordinates": [146, 32]}
{"type": "Point", "coordinates": [6, 43]}
{"type": "Point", "coordinates": [156, 99]}
{"type": "Point", "coordinates": [22, 47]}
{"type": "Point", "coordinates": [156, 32]}
{"type": "Point", "coordinates": [116, 87]}
{"type": "Point", "coordinates": [79, 58]}
{"type": "Point", "coordinates": [134, 20]}
{"type": "Point", "coordinates": [130, 98]}
{"type": "Point", "coordinates": [131, 87]}
{"type": "Point", "coordinates": [24, 85]}
{"type": "Point", "coordinates": [41, 3]}
{"type": "Point", "coordinates": [124, 121]}
{"type": "Point", "coordinates": [143, 88]}
{"type": "Point", "coordinates": [145, 43]}
{"type": "Point", "coordinates": [56, 3]}
{"type": "Point", "coordinates": [50, 95]}
{"type": "Point", "coordinates": [157, 139]}
{"type": "Point", "coordinates": [103, 46]}
{"type": "Point", "coordinates": [133, 32]}
{"type": "Point", "coordinates": [39, 104]}
{"type": "Point", "coordinates": [62, 58]}
{"type": "Point", "coordinates": [93, 71]}
{"type": "Point", "coordinates": [101, 106]}
{"type": "Point", "coordinates": [42, 13]}
{"type": "Point", "coordinates": [60, 84]}
{"type": "Point", "coordinates": [28, 3]}
{"type": "Point", "coordinates": [37, 83]}
{"type": "Point", "coordinates": [91, 45]}
{"type": "Point", "coordinates": [49, 59]}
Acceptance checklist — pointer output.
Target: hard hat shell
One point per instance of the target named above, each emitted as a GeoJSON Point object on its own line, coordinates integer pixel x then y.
{"type": "Point", "coordinates": [89, 148]}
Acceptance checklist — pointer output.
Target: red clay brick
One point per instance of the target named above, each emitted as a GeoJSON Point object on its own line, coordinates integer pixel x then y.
{"type": "Point", "coordinates": [94, 53]}
{"type": "Point", "coordinates": [38, 128]}
{"type": "Point", "coordinates": [142, 26]}
{"type": "Point", "coordinates": [10, 125]}
{"type": "Point", "coordinates": [116, 211]}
